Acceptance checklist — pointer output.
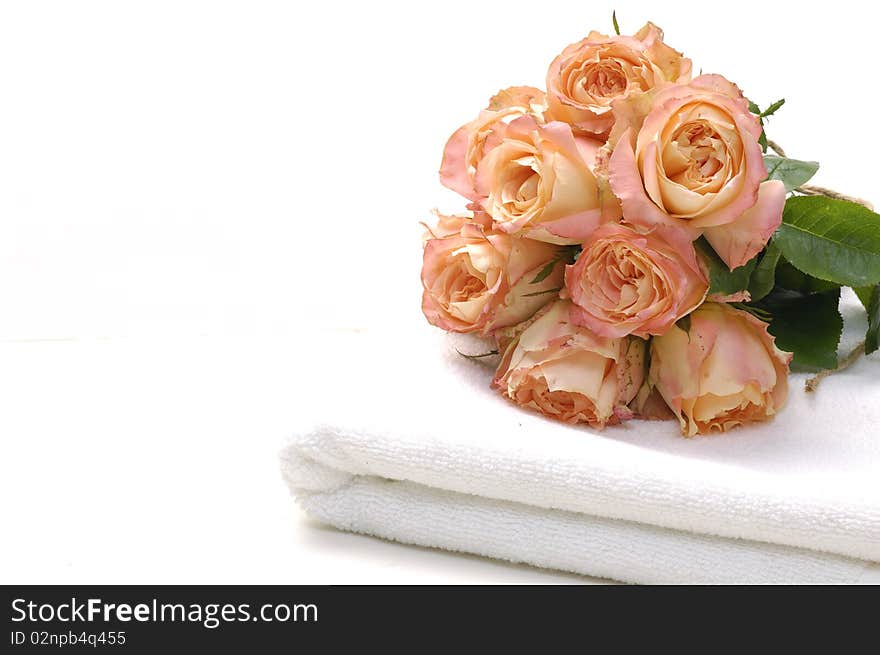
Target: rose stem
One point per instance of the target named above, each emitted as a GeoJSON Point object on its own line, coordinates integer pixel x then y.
{"type": "Point", "coordinates": [845, 363]}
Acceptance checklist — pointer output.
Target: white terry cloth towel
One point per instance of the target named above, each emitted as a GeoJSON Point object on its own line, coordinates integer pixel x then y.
{"type": "Point", "coordinates": [402, 438]}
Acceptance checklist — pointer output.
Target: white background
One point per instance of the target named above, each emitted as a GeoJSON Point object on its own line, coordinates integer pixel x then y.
{"type": "Point", "coordinates": [188, 188]}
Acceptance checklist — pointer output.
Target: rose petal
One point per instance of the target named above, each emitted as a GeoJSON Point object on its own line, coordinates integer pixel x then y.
{"type": "Point", "coordinates": [737, 242]}
{"type": "Point", "coordinates": [453, 168]}
{"type": "Point", "coordinates": [626, 182]}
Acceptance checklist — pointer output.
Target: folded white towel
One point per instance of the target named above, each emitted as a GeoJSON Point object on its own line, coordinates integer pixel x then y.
{"type": "Point", "coordinates": [404, 440]}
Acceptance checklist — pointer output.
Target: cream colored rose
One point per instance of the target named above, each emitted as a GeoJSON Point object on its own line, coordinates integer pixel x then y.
{"type": "Point", "coordinates": [538, 182]}
{"type": "Point", "coordinates": [569, 373]}
{"type": "Point", "coordinates": [724, 371]}
{"type": "Point", "coordinates": [688, 156]}
{"type": "Point", "coordinates": [476, 279]}
{"type": "Point", "coordinates": [587, 76]}
{"type": "Point", "coordinates": [630, 283]}
{"type": "Point", "coordinates": [469, 144]}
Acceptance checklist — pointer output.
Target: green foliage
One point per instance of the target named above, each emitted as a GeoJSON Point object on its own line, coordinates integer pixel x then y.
{"type": "Point", "coordinates": [791, 279]}
{"type": "Point", "coordinates": [566, 254]}
{"type": "Point", "coordinates": [864, 294]}
{"type": "Point", "coordinates": [791, 172]}
{"type": "Point", "coordinates": [755, 109]}
{"type": "Point", "coordinates": [764, 276]}
{"type": "Point", "coordinates": [833, 240]}
{"type": "Point", "coordinates": [722, 280]}
{"type": "Point", "coordinates": [541, 293]}
{"type": "Point", "coordinates": [772, 108]}
{"type": "Point", "coordinates": [814, 348]}
{"type": "Point", "coordinates": [870, 297]}
{"type": "Point", "coordinates": [684, 323]}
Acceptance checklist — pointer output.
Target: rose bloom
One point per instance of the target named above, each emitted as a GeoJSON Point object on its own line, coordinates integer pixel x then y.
{"type": "Point", "coordinates": [688, 156]}
{"type": "Point", "coordinates": [569, 373]}
{"type": "Point", "coordinates": [478, 280]}
{"type": "Point", "coordinates": [724, 371]}
{"type": "Point", "coordinates": [587, 76]}
{"type": "Point", "coordinates": [630, 283]}
{"type": "Point", "coordinates": [467, 145]}
{"type": "Point", "coordinates": [538, 181]}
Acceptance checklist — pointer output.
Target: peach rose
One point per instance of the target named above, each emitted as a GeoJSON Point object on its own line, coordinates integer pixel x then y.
{"type": "Point", "coordinates": [724, 371]}
{"type": "Point", "coordinates": [468, 145]}
{"type": "Point", "coordinates": [477, 280]}
{"type": "Point", "coordinates": [538, 181]}
{"type": "Point", "coordinates": [583, 81]}
{"type": "Point", "coordinates": [688, 156]}
{"type": "Point", "coordinates": [569, 373]}
{"type": "Point", "coordinates": [630, 283]}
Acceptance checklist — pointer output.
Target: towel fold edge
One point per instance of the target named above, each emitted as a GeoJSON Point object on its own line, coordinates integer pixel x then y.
{"type": "Point", "coordinates": [411, 513]}
{"type": "Point", "coordinates": [323, 456]}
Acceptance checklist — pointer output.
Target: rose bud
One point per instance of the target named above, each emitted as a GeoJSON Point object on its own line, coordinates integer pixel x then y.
{"type": "Point", "coordinates": [630, 283]}
{"type": "Point", "coordinates": [477, 280]}
{"type": "Point", "coordinates": [569, 373]}
{"type": "Point", "coordinates": [688, 156]}
{"type": "Point", "coordinates": [468, 145]}
{"type": "Point", "coordinates": [725, 370]}
{"type": "Point", "coordinates": [587, 76]}
{"type": "Point", "coordinates": [538, 182]}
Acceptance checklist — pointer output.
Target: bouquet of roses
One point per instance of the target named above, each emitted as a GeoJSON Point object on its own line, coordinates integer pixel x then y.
{"type": "Point", "coordinates": [635, 252]}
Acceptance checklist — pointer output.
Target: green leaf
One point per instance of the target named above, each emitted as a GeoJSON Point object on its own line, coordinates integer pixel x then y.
{"type": "Point", "coordinates": [762, 140]}
{"type": "Point", "coordinates": [864, 294]}
{"type": "Point", "coordinates": [872, 339]}
{"type": "Point", "coordinates": [684, 323]}
{"type": "Point", "coordinates": [541, 293]}
{"type": "Point", "coordinates": [772, 108]}
{"type": "Point", "coordinates": [544, 273]}
{"type": "Point", "coordinates": [808, 326]}
{"type": "Point", "coordinates": [870, 297]}
{"type": "Point", "coordinates": [614, 20]}
{"type": "Point", "coordinates": [758, 312]}
{"type": "Point", "coordinates": [792, 172]}
{"type": "Point", "coordinates": [790, 278]}
{"type": "Point", "coordinates": [755, 109]}
{"type": "Point", "coordinates": [567, 254]}
{"type": "Point", "coordinates": [832, 240]}
{"type": "Point", "coordinates": [764, 276]}
{"type": "Point", "coordinates": [479, 356]}
{"type": "Point", "coordinates": [721, 279]}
